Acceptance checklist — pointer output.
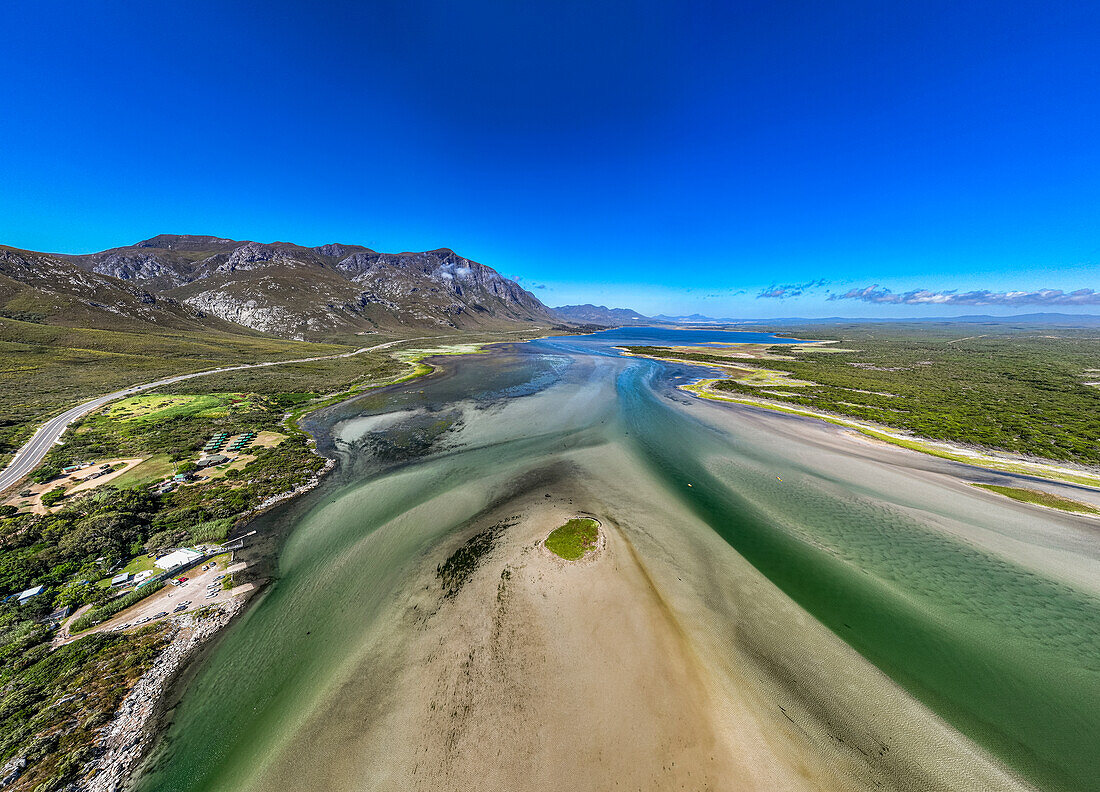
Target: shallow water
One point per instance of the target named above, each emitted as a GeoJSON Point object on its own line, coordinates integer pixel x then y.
{"type": "Point", "coordinates": [986, 611]}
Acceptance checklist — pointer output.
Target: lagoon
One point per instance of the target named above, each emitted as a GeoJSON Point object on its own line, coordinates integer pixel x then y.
{"type": "Point", "coordinates": [832, 613]}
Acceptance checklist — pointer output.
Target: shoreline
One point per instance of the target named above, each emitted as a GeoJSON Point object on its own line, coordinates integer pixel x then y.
{"type": "Point", "coordinates": [129, 737]}
{"type": "Point", "coordinates": [126, 739]}
{"type": "Point", "coordinates": [989, 459]}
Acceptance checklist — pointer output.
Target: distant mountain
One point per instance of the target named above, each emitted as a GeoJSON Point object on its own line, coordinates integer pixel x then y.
{"type": "Point", "coordinates": [689, 319]}
{"type": "Point", "coordinates": [279, 288]}
{"type": "Point", "coordinates": [599, 314]}
{"type": "Point", "coordinates": [1053, 319]}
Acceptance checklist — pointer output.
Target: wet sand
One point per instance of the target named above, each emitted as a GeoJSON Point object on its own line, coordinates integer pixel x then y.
{"type": "Point", "coordinates": [642, 668]}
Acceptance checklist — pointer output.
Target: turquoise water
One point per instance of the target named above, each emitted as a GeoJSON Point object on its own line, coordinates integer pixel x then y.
{"type": "Point", "coordinates": [1002, 649]}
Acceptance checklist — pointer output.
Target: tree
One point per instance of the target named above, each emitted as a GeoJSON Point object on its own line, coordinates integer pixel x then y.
{"type": "Point", "coordinates": [53, 497]}
{"type": "Point", "coordinates": [73, 595]}
{"type": "Point", "coordinates": [47, 472]}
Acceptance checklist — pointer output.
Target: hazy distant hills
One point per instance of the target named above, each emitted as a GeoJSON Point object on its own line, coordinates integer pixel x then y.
{"type": "Point", "coordinates": [1052, 319]}
{"type": "Point", "coordinates": [600, 314]}
{"type": "Point", "coordinates": [279, 288]}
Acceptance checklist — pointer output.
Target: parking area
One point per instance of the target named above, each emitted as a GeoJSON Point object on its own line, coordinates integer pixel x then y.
{"type": "Point", "coordinates": [203, 587]}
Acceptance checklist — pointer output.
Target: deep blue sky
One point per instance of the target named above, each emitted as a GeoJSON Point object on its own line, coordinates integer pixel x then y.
{"type": "Point", "coordinates": [665, 156]}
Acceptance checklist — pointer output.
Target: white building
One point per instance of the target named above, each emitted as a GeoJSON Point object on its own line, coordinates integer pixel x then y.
{"type": "Point", "coordinates": [177, 558]}
{"type": "Point", "coordinates": [31, 592]}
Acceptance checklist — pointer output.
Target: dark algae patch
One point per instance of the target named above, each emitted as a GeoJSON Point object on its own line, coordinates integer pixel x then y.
{"type": "Point", "coordinates": [572, 540]}
{"type": "Point", "coordinates": [456, 570]}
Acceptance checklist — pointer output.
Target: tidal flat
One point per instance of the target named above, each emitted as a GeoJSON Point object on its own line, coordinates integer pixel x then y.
{"type": "Point", "coordinates": [776, 607]}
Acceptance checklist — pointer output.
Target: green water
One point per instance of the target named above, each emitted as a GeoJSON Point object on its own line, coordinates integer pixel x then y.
{"type": "Point", "coordinates": [1002, 648]}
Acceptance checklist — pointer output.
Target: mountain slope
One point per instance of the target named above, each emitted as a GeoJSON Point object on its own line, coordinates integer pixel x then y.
{"type": "Point", "coordinates": [599, 314]}
{"type": "Point", "coordinates": [40, 287]}
{"type": "Point", "coordinates": [326, 291]}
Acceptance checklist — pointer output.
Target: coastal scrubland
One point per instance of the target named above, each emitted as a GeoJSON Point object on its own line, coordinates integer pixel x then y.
{"type": "Point", "coordinates": [1020, 390]}
{"type": "Point", "coordinates": [55, 702]}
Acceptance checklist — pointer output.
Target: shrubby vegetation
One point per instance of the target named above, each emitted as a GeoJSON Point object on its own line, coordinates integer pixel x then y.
{"type": "Point", "coordinates": [96, 532]}
{"type": "Point", "coordinates": [1021, 391]}
{"type": "Point", "coordinates": [53, 702]}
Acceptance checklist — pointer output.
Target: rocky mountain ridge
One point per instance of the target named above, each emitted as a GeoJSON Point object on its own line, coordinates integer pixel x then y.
{"type": "Point", "coordinates": [295, 291]}
{"type": "Point", "coordinates": [40, 287]}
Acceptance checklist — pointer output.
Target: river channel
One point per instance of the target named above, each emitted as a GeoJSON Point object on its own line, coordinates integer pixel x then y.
{"type": "Point", "coordinates": [780, 605]}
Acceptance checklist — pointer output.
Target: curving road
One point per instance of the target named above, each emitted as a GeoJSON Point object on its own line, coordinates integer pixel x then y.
{"type": "Point", "coordinates": [27, 458]}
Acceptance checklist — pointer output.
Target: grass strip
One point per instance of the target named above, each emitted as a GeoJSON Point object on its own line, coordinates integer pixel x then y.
{"type": "Point", "coordinates": [1040, 498]}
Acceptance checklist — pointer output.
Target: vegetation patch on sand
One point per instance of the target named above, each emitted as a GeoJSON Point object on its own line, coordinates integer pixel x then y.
{"type": "Point", "coordinates": [572, 540]}
{"type": "Point", "coordinates": [1040, 498]}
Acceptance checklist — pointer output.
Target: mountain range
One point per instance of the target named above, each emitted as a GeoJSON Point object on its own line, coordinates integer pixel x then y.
{"type": "Point", "coordinates": [310, 293]}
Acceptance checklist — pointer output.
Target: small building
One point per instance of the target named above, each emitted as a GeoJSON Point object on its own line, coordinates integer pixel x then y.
{"type": "Point", "coordinates": [121, 579]}
{"type": "Point", "coordinates": [31, 592]}
{"type": "Point", "coordinates": [177, 559]}
{"type": "Point", "coordinates": [59, 614]}
{"type": "Point", "coordinates": [212, 460]}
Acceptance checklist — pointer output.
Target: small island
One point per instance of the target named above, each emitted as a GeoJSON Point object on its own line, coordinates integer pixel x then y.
{"type": "Point", "coordinates": [573, 540]}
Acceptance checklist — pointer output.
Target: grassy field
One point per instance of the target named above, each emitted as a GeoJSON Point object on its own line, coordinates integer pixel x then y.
{"type": "Point", "coordinates": [572, 540]}
{"type": "Point", "coordinates": [1040, 498]}
{"type": "Point", "coordinates": [1021, 390]}
{"type": "Point", "coordinates": [154, 407]}
{"type": "Point", "coordinates": [45, 369]}
{"type": "Point", "coordinates": [155, 468]}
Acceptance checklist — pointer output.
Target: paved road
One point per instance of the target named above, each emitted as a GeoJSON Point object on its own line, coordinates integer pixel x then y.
{"type": "Point", "coordinates": [27, 458]}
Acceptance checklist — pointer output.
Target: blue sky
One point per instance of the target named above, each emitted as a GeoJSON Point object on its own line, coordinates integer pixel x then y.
{"type": "Point", "coordinates": [672, 157]}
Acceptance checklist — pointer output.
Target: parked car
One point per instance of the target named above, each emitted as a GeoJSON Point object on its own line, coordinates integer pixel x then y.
{"type": "Point", "coordinates": [158, 615]}
{"type": "Point", "coordinates": [142, 620]}
{"type": "Point", "coordinates": [219, 577]}
{"type": "Point", "coordinates": [182, 579]}
{"type": "Point", "coordinates": [178, 608]}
